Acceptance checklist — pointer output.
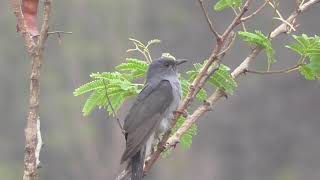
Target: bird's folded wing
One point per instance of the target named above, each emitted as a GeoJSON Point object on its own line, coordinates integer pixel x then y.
{"type": "Point", "coordinates": [145, 115]}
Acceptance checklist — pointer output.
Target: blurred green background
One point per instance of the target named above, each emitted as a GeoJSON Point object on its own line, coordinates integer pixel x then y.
{"type": "Point", "coordinates": [268, 130]}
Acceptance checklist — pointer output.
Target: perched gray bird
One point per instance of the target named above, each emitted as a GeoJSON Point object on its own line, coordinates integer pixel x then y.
{"type": "Point", "coordinates": [151, 113]}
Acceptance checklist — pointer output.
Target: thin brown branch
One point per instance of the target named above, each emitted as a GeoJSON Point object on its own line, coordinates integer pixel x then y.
{"type": "Point", "coordinates": [255, 12]}
{"type": "Point", "coordinates": [229, 44]}
{"type": "Point", "coordinates": [242, 23]}
{"type": "Point", "coordinates": [207, 106]}
{"type": "Point", "coordinates": [56, 32]}
{"type": "Point", "coordinates": [287, 70]}
{"type": "Point", "coordinates": [59, 32]}
{"type": "Point", "coordinates": [236, 21]}
{"type": "Point", "coordinates": [212, 28]}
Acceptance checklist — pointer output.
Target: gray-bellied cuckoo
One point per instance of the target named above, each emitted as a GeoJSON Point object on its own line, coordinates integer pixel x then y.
{"type": "Point", "coordinates": [151, 113]}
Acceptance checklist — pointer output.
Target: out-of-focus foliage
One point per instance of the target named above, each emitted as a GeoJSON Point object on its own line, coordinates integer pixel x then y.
{"type": "Point", "coordinates": [309, 50]}
{"type": "Point", "coordinates": [259, 39]}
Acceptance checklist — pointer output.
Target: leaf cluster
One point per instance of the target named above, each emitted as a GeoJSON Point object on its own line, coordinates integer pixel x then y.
{"type": "Point", "coordinates": [259, 39]}
{"type": "Point", "coordinates": [309, 50]}
{"type": "Point", "coordinates": [116, 86]}
{"type": "Point", "coordinates": [224, 4]}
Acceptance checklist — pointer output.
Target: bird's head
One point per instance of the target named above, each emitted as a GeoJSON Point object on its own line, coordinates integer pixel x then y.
{"type": "Point", "coordinates": [164, 66]}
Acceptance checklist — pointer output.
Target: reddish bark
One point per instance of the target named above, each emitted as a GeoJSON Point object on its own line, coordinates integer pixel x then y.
{"type": "Point", "coordinates": [30, 13]}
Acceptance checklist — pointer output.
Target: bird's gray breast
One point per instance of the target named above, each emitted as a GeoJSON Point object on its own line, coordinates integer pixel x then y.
{"type": "Point", "coordinates": [165, 123]}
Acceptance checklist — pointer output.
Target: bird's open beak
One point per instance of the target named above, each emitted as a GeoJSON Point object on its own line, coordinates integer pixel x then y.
{"type": "Point", "coordinates": [180, 61]}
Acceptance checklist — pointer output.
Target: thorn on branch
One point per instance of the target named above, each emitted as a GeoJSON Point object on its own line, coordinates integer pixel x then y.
{"type": "Point", "coordinates": [184, 113]}
{"type": "Point", "coordinates": [237, 20]}
{"type": "Point", "coordinates": [255, 12]}
{"type": "Point", "coordinates": [225, 95]}
{"type": "Point", "coordinates": [208, 105]}
{"type": "Point", "coordinates": [172, 143]}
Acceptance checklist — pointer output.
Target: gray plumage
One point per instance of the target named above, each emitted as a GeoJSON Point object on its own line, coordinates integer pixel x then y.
{"type": "Point", "coordinates": [151, 113]}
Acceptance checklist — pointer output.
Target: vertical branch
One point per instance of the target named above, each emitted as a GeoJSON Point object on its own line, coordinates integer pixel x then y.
{"type": "Point", "coordinates": [35, 49]}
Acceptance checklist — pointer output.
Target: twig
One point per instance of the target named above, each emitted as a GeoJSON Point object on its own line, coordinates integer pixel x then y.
{"type": "Point", "coordinates": [236, 20]}
{"type": "Point", "coordinates": [255, 12]}
{"type": "Point", "coordinates": [212, 28]}
{"type": "Point", "coordinates": [59, 32]}
{"type": "Point", "coordinates": [112, 109]}
{"type": "Point", "coordinates": [236, 13]}
{"type": "Point", "coordinates": [56, 32]}
{"type": "Point", "coordinates": [276, 9]}
{"type": "Point", "coordinates": [144, 50]}
{"type": "Point", "coordinates": [287, 70]}
{"type": "Point", "coordinates": [229, 44]}
{"type": "Point", "coordinates": [284, 21]}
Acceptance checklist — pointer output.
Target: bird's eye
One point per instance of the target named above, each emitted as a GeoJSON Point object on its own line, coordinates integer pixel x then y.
{"type": "Point", "coordinates": [166, 64]}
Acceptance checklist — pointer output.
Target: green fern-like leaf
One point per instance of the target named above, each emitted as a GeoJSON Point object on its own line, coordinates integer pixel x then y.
{"type": "Point", "coordinates": [308, 48]}
{"type": "Point", "coordinates": [92, 102]}
{"type": "Point", "coordinates": [91, 86]}
{"type": "Point", "coordinates": [259, 39]}
{"type": "Point", "coordinates": [311, 71]}
{"type": "Point", "coordinates": [223, 4]}
{"type": "Point", "coordinates": [223, 79]}
{"type": "Point", "coordinates": [107, 75]}
{"type": "Point", "coordinates": [137, 68]}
